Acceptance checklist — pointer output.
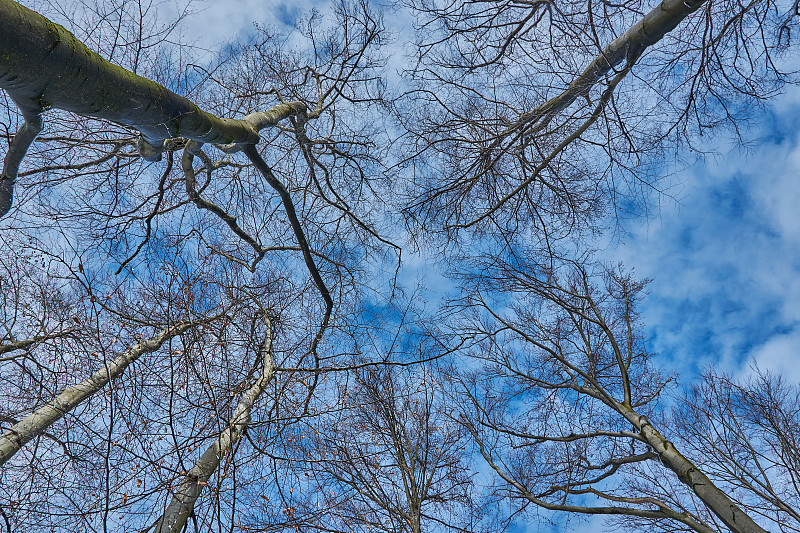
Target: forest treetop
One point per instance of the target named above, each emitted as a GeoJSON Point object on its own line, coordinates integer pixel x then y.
{"type": "Point", "coordinates": [224, 336]}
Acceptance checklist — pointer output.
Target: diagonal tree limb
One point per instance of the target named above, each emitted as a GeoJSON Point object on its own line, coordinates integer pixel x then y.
{"type": "Point", "coordinates": [711, 495]}
{"type": "Point", "coordinates": [42, 65]}
{"type": "Point", "coordinates": [188, 491]}
{"type": "Point", "coordinates": [251, 152]}
{"type": "Point", "coordinates": [598, 111]}
{"type": "Point", "coordinates": [660, 513]}
{"type": "Point", "coordinates": [27, 343]}
{"type": "Point", "coordinates": [628, 47]}
{"type": "Point", "coordinates": [34, 424]}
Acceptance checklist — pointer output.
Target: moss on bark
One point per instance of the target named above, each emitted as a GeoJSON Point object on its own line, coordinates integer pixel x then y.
{"type": "Point", "coordinates": [43, 65]}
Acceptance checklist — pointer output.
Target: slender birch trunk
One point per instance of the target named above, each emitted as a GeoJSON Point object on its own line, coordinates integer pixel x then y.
{"type": "Point", "coordinates": [188, 491]}
{"type": "Point", "coordinates": [627, 48]}
{"type": "Point", "coordinates": [37, 422]}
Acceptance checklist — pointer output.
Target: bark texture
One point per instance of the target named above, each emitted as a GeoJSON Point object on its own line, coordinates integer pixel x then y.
{"type": "Point", "coordinates": [714, 498]}
{"type": "Point", "coordinates": [42, 66]}
{"type": "Point", "coordinates": [37, 422]}
{"type": "Point", "coordinates": [16, 152]}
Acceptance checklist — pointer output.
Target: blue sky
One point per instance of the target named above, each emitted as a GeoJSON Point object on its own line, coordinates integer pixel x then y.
{"type": "Point", "coordinates": [724, 255]}
{"type": "Point", "coordinates": [218, 22]}
{"type": "Point", "coordinates": [725, 258]}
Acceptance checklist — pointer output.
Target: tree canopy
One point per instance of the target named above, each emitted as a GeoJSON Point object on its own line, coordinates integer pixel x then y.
{"type": "Point", "coordinates": [229, 340]}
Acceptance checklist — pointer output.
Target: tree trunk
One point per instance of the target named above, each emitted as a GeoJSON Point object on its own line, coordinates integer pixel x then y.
{"type": "Point", "coordinates": [714, 498]}
{"type": "Point", "coordinates": [37, 422]}
{"type": "Point", "coordinates": [43, 65]}
{"type": "Point", "coordinates": [186, 494]}
{"type": "Point", "coordinates": [627, 47]}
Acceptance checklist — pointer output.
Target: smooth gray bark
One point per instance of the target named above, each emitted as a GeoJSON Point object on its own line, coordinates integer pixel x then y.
{"type": "Point", "coordinates": [16, 152]}
{"type": "Point", "coordinates": [186, 494]}
{"type": "Point", "coordinates": [12, 440]}
{"type": "Point", "coordinates": [42, 66]}
{"type": "Point", "coordinates": [714, 498]}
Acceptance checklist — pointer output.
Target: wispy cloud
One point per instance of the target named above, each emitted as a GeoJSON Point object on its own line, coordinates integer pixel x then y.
{"type": "Point", "coordinates": [726, 258]}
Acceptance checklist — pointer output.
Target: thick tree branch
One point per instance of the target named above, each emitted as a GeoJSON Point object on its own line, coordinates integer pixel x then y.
{"type": "Point", "coordinates": [35, 423]}
{"type": "Point", "coordinates": [42, 65]}
{"type": "Point", "coordinates": [627, 47]}
{"type": "Point", "coordinates": [661, 513]}
{"type": "Point", "coordinates": [16, 152]}
{"type": "Point", "coordinates": [45, 64]}
{"type": "Point", "coordinates": [252, 153]}
{"type": "Point", "coordinates": [27, 343]}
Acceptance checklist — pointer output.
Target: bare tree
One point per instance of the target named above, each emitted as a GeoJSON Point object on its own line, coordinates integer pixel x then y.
{"type": "Point", "coordinates": [37, 422]}
{"type": "Point", "coordinates": [100, 418]}
{"type": "Point", "coordinates": [565, 405]}
{"type": "Point", "coordinates": [386, 456]}
{"type": "Point", "coordinates": [186, 494]}
{"type": "Point", "coordinates": [542, 116]}
{"type": "Point", "coordinates": [744, 433]}
{"type": "Point", "coordinates": [151, 374]}
{"type": "Point", "coordinates": [530, 122]}
{"type": "Point", "coordinates": [182, 301]}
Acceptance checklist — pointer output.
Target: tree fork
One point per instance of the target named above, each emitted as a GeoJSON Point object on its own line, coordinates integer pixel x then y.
{"type": "Point", "coordinates": [43, 66]}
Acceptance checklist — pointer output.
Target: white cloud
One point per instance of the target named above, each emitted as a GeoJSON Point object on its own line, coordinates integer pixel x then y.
{"type": "Point", "coordinates": [726, 259]}
{"type": "Point", "coordinates": [217, 22]}
{"type": "Point", "coordinates": [780, 356]}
